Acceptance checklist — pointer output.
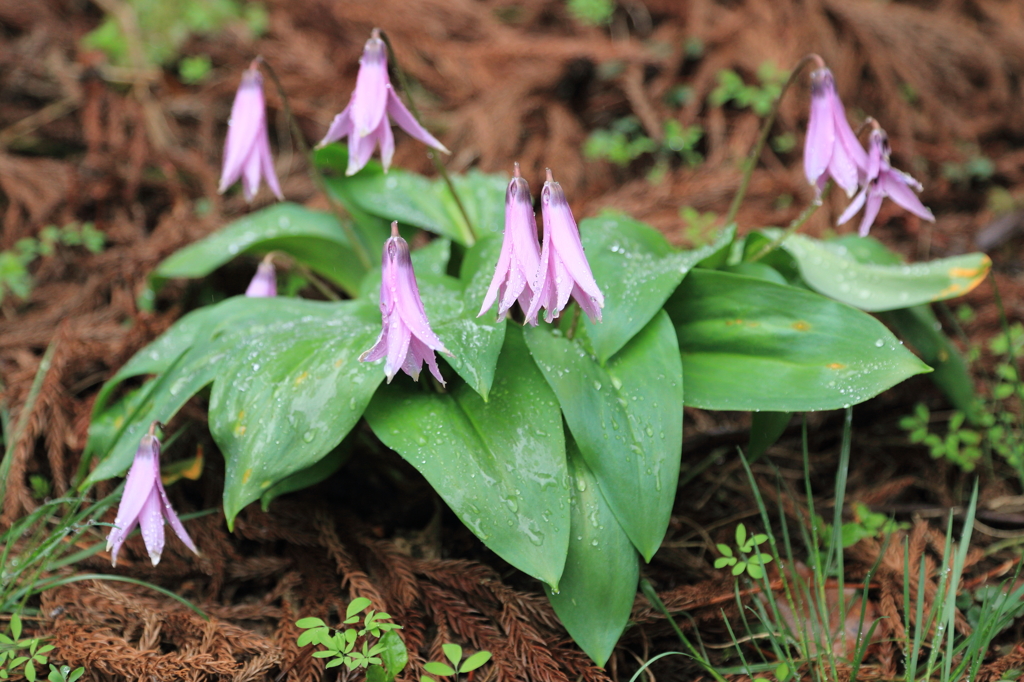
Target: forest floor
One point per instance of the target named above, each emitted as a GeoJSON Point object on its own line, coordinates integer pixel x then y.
{"type": "Point", "coordinates": [135, 150]}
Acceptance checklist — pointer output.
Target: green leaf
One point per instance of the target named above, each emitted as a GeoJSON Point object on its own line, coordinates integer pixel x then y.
{"type": "Point", "coordinates": [453, 652]}
{"type": "Point", "coordinates": [625, 418]}
{"type": "Point", "coordinates": [475, 661]}
{"type": "Point", "coordinates": [499, 465]}
{"type": "Point", "coordinates": [314, 238]}
{"type": "Point", "coordinates": [308, 637]}
{"type": "Point", "coordinates": [375, 673]}
{"type": "Point", "coordinates": [831, 269]}
{"type": "Point", "coordinates": [356, 605]}
{"type": "Point", "coordinates": [765, 429]}
{"type": "Point", "coordinates": [394, 655]}
{"type": "Point", "coordinates": [30, 672]}
{"type": "Point", "coordinates": [726, 550]}
{"type": "Point", "coordinates": [15, 626]}
{"type": "Point", "coordinates": [287, 387]}
{"type": "Point", "coordinates": [601, 570]}
{"type": "Point", "coordinates": [919, 327]}
{"type": "Point", "coordinates": [412, 199]}
{"type": "Point", "coordinates": [438, 668]}
{"type": "Point", "coordinates": [325, 654]}
{"type": "Point", "coordinates": [637, 271]}
{"type": "Point", "coordinates": [306, 623]}
{"type": "Point", "coordinates": [748, 344]}
{"type": "Point", "coordinates": [755, 571]}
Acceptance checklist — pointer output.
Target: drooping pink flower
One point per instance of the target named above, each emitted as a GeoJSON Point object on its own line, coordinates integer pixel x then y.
{"type": "Point", "coordinates": [247, 147]}
{"type": "Point", "coordinates": [884, 181]}
{"type": "Point", "coordinates": [520, 255]}
{"type": "Point", "coordinates": [365, 120]}
{"type": "Point", "coordinates": [563, 269]}
{"type": "Point", "coordinates": [144, 503]}
{"type": "Point", "coordinates": [264, 282]}
{"type": "Point", "coordinates": [405, 336]}
{"type": "Point", "coordinates": [831, 148]}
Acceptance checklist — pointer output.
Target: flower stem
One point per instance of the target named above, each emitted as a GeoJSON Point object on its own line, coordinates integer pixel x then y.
{"type": "Point", "coordinates": [766, 129]}
{"type": "Point", "coordinates": [471, 236]}
{"type": "Point", "coordinates": [353, 237]}
{"type": "Point", "coordinates": [793, 226]}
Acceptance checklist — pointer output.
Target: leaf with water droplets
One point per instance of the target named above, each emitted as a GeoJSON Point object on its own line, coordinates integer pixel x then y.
{"type": "Point", "coordinates": [833, 268]}
{"type": "Point", "coordinates": [637, 271]}
{"type": "Point", "coordinates": [750, 344]}
{"type": "Point", "coordinates": [413, 199]}
{"type": "Point", "coordinates": [598, 585]}
{"type": "Point", "coordinates": [625, 417]}
{"type": "Point", "coordinates": [314, 238]}
{"type": "Point", "coordinates": [500, 465]}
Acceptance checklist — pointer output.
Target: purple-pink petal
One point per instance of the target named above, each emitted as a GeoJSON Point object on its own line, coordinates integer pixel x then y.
{"type": "Point", "coordinates": [247, 154]}
{"type": "Point", "coordinates": [340, 127]}
{"type": "Point", "coordinates": [519, 258]}
{"type": "Point", "coordinates": [264, 282]}
{"type": "Point", "coordinates": [820, 128]}
{"type": "Point", "coordinates": [899, 187]}
{"type": "Point", "coordinates": [854, 207]}
{"type": "Point", "coordinates": [151, 523]}
{"type": "Point", "coordinates": [873, 205]}
{"type": "Point", "coordinates": [406, 339]}
{"type": "Point", "coordinates": [407, 122]}
{"type": "Point", "coordinates": [369, 98]}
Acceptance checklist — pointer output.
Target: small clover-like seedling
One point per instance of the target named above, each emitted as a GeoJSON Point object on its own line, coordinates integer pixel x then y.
{"type": "Point", "coordinates": [453, 652]}
{"type": "Point", "coordinates": [21, 653]}
{"type": "Point", "coordinates": [64, 673]}
{"type": "Point", "coordinates": [383, 659]}
{"type": "Point", "coordinates": [747, 559]}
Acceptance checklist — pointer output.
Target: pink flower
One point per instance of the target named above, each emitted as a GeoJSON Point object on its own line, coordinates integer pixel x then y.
{"type": "Point", "coordinates": [520, 257]}
{"type": "Point", "coordinates": [247, 148]}
{"type": "Point", "coordinates": [884, 181]}
{"type": "Point", "coordinates": [144, 503]}
{"type": "Point", "coordinates": [264, 282]}
{"type": "Point", "coordinates": [563, 270]}
{"type": "Point", "coordinates": [365, 120]}
{"type": "Point", "coordinates": [405, 336]}
{"type": "Point", "coordinates": [831, 148]}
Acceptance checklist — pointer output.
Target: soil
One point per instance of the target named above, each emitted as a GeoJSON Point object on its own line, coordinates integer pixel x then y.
{"type": "Point", "coordinates": [137, 152]}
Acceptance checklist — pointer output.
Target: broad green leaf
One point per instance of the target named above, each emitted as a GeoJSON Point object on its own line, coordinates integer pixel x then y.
{"type": "Point", "coordinates": [920, 327]}
{"type": "Point", "coordinates": [311, 622]}
{"type": "Point", "coordinates": [637, 271]}
{"type": "Point", "coordinates": [314, 238]}
{"type": "Point", "coordinates": [765, 429]}
{"type": "Point", "coordinates": [475, 661]}
{"type": "Point", "coordinates": [356, 605]}
{"type": "Point", "coordinates": [625, 417]}
{"type": "Point", "coordinates": [287, 387]}
{"type": "Point", "coordinates": [715, 254]}
{"type": "Point", "coordinates": [599, 583]}
{"type": "Point", "coordinates": [453, 652]}
{"type": "Point", "coordinates": [394, 655]}
{"type": "Point", "coordinates": [831, 269]}
{"type": "Point", "coordinates": [413, 199]}
{"type": "Point", "coordinates": [748, 344]}
{"type": "Point", "coordinates": [500, 465]}
{"type": "Point", "coordinates": [376, 673]}
{"type": "Point", "coordinates": [438, 668]}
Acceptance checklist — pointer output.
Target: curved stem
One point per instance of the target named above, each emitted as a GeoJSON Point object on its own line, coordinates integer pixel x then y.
{"type": "Point", "coordinates": [766, 129]}
{"type": "Point", "coordinates": [793, 226]}
{"type": "Point", "coordinates": [442, 171]}
{"type": "Point", "coordinates": [357, 243]}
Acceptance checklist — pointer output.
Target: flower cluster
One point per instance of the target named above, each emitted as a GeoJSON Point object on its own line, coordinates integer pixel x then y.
{"type": "Point", "coordinates": [549, 279]}
{"type": "Point", "coordinates": [832, 151]}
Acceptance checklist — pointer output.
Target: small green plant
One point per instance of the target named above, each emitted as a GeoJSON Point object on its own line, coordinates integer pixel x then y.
{"type": "Point", "coordinates": [16, 652]}
{"type": "Point", "coordinates": [14, 263]}
{"type": "Point", "coordinates": [64, 673]}
{"type": "Point", "coordinates": [626, 141]}
{"type": "Point", "coordinates": [732, 89]}
{"type": "Point", "coordinates": [698, 228]}
{"type": "Point", "coordinates": [383, 658]}
{"type": "Point", "coordinates": [961, 446]}
{"type": "Point", "coordinates": [868, 524]}
{"type": "Point", "coordinates": [750, 559]}
{"type": "Point", "coordinates": [591, 12]}
{"type": "Point", "coordinates": [978, 167]}
{"type": "Point", "coordinates": [453, 652]}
